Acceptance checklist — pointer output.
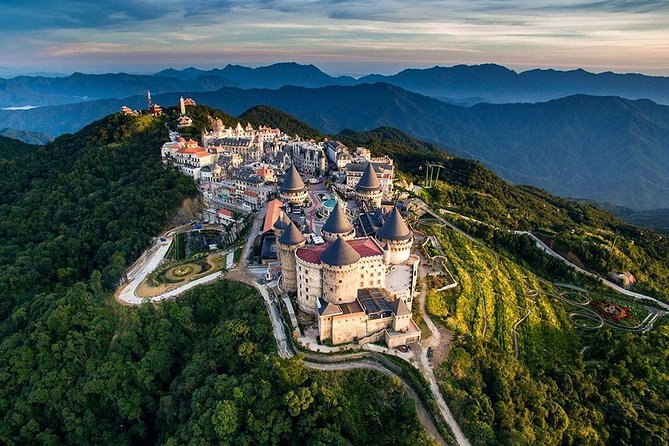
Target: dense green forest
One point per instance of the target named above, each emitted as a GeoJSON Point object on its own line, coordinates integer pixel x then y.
{"type": "Point", "coordinates": [11, 148]}
{"type": "Point", "coordinates": [79, 368]}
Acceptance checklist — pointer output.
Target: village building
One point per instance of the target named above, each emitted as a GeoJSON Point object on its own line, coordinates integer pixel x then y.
{"type": "Point", "coordinates": [187, 156]}
{"type": "Point", "coordinates": [309, 157]}
{"type": "Point", "coordinates": [338, 154]}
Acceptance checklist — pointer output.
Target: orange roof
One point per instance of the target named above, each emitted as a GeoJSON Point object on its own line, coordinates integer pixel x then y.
{"type": "Point", "coordinates": [202, 153]}
{"type": "Point", "coordinates": [225, 212]}
{"type": "Point", "coordinates": [273, 212]}
{"type": "Point", "coordinates": [192, 150]}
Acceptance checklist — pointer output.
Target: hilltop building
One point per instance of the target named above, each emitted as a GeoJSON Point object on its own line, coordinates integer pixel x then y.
{"type": "Point", "coordinates": [383, 168]}
{"type": "Point", "coordinates": [309, 157]}
{"type": "Point", "coordinates": [360, 289]}
{"type": "Point", "coordinates": [368, 188]}
{"type": "Point", "coordinates": [293, 189]}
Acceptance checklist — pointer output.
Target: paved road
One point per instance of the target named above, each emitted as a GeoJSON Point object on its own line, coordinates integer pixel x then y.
{"type": "Point", "coordinates": [428, 373]}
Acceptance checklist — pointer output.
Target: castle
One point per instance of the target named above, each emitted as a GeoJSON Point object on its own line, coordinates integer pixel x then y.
{"type": "Point", "coordinates": [359, 288]}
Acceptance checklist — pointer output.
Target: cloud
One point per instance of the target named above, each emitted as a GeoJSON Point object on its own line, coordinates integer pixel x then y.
{"type": "Point", "coordinates": [109, 34]}
{"type": "Point", "coordinates": [72, 14]}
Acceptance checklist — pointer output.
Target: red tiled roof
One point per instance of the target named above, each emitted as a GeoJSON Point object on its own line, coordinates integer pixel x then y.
{"type": "Point", "coordinates": [366, 247]}
{"type": "Point", "coordinates": [273, 212]}
{"type": "Point", "coordinates": [225, 212]}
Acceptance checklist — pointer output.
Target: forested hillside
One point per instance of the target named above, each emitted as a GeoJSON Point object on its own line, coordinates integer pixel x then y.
{"type": "Point", "coordinates": [79, 368]}
{"type": "Point", "coordinates": [566, 386]}
{"type": "Point", "coordinates": [11, 148]}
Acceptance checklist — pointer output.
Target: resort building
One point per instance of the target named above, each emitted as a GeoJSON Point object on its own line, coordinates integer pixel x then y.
{"type": "Point", "coordinates": [293, 189]}
{"type": "Point", "coordinates": [368, 188]}
{"type": "Point", "coordinates": [358, 288]}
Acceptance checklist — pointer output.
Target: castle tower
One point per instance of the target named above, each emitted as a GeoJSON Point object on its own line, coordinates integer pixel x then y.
{"type": "Point", "coordinates": [395, 237]}
{"type": "Point", "coordinates": [341, 279]}
{"type": "Point", "coordinates": [290, 240]}
{"type": "Point", "coordinates": [279, 226]}
{"type": "Point", "coordinates": [337, 226]}
{"type": "Point", "coordinates": [368, 188]}
{"type": "Point", "coordinates": [292, 189]}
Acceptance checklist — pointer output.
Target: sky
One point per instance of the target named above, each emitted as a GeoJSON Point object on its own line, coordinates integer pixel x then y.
{"type": "Point", "coordinates": [353, 37]}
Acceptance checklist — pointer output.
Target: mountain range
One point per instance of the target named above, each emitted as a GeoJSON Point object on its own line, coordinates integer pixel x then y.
{"type": "Point", "coordinates": [606, 149]}
{"type": "Point", "coordinates": [461, 84]}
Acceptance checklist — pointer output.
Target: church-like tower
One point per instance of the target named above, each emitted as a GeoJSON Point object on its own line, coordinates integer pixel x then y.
{"type": "Point", "coordinates": [292, 189]}
{"type": "Point", "coordinates": [395, 238]}
{"type": "Point", "coordinates": [290, 240]}
{"type": "Point", "coordinates": [369, 188]}
{"type": "Point", "coordinates": [337, 226]}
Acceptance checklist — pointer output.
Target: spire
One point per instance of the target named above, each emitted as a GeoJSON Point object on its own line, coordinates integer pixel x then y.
{"type": "Point", "coordinates": [337, 222]}
{"type": "Point", "coordinates": [394, 227]}
{"type": "Point", "coordinates": [291, 236]}
{"type": "Point", "coordinates": [282, 222]}
{"type": "Point", "coordinates": [293, 182]}
{"type": "Point", "coordinates": [340, 253]}
{"type": "Point", "coordinates": [369, 180]}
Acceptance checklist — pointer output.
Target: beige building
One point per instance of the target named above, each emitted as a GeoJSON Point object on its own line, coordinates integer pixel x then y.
{"type": "Point", "coordinates": [344, 282]}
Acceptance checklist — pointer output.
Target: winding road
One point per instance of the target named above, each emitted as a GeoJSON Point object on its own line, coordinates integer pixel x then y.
{"type": "Point", "coordinates": [544, 247]}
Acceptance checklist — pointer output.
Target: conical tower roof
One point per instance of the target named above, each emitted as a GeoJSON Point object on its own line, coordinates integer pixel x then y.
{"type": "Point", "coordinates": [293, 182]}
{"type": "Point", "coordinates": [369, 180]}
{"type": "Point", "coordinates": [282, 222]}
{"type": "Point", "coordinates": [394, 227]}
{"type": "Point", "coordinates": [291, 236]}
{"type": "Point", "coordinates": [340, 253]}
{"type": "Point", "coordinates": [337, 222]}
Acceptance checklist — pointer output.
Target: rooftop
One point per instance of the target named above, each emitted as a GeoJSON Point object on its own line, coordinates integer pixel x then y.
{"type": "Point", "coordinates": [369, 180]}
{"type": "Point", "coordinates": [365, 247]}
{"type": "Point", "coordinates": [292, 182]}
{"type": "Point", "coordinates": [292, 235]}
{"type": "Point", "coordinates": [394, 227]}
{"type": "Point", "coordinates": [338, 222]}
{"type": "Point", "coordinates": [273, 215]}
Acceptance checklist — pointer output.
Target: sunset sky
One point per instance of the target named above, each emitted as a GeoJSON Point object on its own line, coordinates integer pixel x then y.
{"type": "Point", "coordinates": [341, 37]}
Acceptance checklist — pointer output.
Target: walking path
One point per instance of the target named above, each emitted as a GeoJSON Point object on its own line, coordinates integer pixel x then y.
{"type": "Point", "coordinates": [544, 247]}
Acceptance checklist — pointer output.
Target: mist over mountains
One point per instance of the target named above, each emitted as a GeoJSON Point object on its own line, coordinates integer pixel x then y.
{"type": "Point", "coordinates": [460, 84]}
